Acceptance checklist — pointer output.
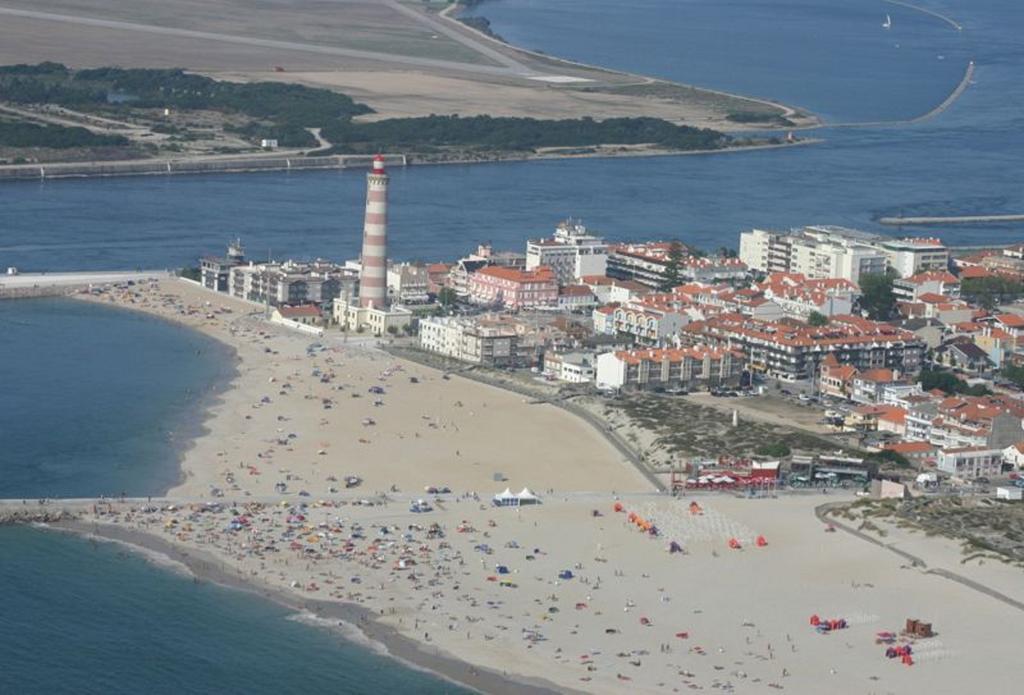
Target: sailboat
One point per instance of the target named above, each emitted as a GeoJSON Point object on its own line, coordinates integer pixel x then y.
{"type": "Point", "coordinates": [888, 22]}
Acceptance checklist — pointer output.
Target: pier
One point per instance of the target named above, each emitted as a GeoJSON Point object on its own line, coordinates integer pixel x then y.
{"type": "Point", "coordinates": [952, 219]}
{"type": "Point", "coordinates": [29, 285]}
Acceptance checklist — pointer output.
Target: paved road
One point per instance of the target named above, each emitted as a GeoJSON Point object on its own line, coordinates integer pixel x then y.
{"type": "Point", "coordinates": [502, 70]}
{"type": "Point", "coordinates": [456, 35]}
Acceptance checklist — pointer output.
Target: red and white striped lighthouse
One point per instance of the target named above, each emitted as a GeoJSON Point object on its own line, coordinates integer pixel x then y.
{"type": "Point", "coordinates": [373, 290]}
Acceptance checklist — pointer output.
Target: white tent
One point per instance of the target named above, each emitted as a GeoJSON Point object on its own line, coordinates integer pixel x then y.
{"type": "Point", "coordinates": [527, 497]}
{"type": "Point", "coordinates": [506, 498]}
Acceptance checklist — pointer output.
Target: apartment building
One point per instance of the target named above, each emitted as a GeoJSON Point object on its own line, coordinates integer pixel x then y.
{"type": "Point", "coordinates": [935, 282]}
{"type": "Point", "coordinates": [480, 340]}
{"type": "Point", "coordinates": [292, 282]}
{"type": "Point", "coordinates": [512, 288]}
{"type": "Point", "coordinates": [790, 351]}
{"type": "Point", "coordinates": [570, 254]}
{"type": "Point", "coordinates": [915, 255]}
{"type": "Point", "coordinates": [647, 262]}
{"type": "Point", "coordinates": [692, 367]}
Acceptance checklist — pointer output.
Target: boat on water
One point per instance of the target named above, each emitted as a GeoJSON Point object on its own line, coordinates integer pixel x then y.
{"type": "Point", "coordinates": [888, 22]}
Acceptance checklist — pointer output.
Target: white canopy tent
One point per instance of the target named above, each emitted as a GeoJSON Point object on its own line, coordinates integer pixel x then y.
{"type": "Point", "coordinates": [527, 497]}
{"type": "Point", "coordinates": [506, 499]}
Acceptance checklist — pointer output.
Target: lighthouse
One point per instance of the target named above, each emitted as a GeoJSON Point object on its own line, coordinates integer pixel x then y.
{"type": "Point", "coordinates": [374, 274]}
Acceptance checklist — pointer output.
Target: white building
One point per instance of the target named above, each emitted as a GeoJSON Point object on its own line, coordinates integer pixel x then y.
{"type": "Point", "coordinates": [571, 253]}
{"type": "Point", "coordinates": [476, 340]}
{"type": "Point", "coordinates": [911, 256]}
{"type": "Point", "coordinates": [571, 367]}
{"type": "Point", "coordinates": [971, 462]}
{"type": "Point", "coordinates": [816, 252]}
{"type": "Point", "coordinates": [696, 366]}
{"type": "Point", "coordinates": [650, 325]}
{"type": "Point", "coordinates": [377, 321]}
{"type": "Point", "coordinates": [408, 283]}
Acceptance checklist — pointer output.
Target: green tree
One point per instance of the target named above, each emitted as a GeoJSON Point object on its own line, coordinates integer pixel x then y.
{"type": "Point", "coordinates": [888, 457]}
{"type": "Point", "coordinates": [949, 383]}
{"type": "Point", "coordinates": [877, 298]}
{"type": "Point", "coordinates": [944, 381]}
{"type": "Point", "coordinates": [447, 297]}
{"type": "Point", "coordinates": [672, 276]}
{"type": "Point", "coordinates": [816, 318]}
{"type": "Point", "coordinates": [1014, 373]}
{"type": "Point", "coordinates": [775, 450]}
{"type": "Point", "coordinates": [990, 292]}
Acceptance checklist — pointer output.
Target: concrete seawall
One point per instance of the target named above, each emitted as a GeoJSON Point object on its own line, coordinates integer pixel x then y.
{"type": "Point", "coordinates": [29, 285]}
{"type": "Point", "coordinates": [168, 167]}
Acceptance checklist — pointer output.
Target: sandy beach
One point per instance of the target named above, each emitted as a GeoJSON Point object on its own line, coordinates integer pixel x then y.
{"type": "Point", "coordinates": [308, 419]}
{"type": "Point", "coordinates": [567, 595]}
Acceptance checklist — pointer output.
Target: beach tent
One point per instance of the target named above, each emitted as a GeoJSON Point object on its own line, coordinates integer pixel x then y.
{"type": "Point", "coordinates": [527, 497]}
{"type": "Point", "coordinates": [506, 499]}
{"type": "Point", "coordinates": [674, 547]}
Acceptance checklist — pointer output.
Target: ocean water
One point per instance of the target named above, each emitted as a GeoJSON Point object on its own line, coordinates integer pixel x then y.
{"type": "Point", "coordinates": [87, 411]}
{"type": "Point", "coordinates": [83, 619]}
{"type": "Point", "coordinates": [97, 400]}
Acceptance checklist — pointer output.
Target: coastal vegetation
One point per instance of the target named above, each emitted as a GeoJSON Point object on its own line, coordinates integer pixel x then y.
{"type": "Point", "coordinates": [126, 89]}
{"type": "Point", "coordinates": [483, 133]}
{"type": "Point", "coordinates": [21, 134]}
{"type": "Point", "coordinates": [187, 109]}
{"type": "Point", "coordinates": [759, 118]}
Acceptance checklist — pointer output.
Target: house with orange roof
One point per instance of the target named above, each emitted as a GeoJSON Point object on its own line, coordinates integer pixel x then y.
{"type": "Point", "coordinates": [941, 282]}
{"type": "Point", "coordinates": [974, 272]}
{"type": "Point", "coordinates": [835, 379]}
{"type": "Point", "coordinates": [576, 298]}
{"type": "Point", "coordinates": [305, 314]}
{"type": "Point", "coordinates": [919, 453]}
{"type": "Point", "coordinates": [894, 420]}
{"type": "Point", "coordinates": [865, 418]}
{"type": "Point", "coordinates": [870, 385]}
{"type": "Point", "coordinates": [697, 366]}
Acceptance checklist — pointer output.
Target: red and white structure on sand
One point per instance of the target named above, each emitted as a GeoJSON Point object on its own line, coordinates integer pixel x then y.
{"type": "Point", "coordinates": [373, 277]}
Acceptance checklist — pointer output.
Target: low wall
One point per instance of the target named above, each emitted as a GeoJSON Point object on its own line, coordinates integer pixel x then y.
{"type": "Point", "coordinates": [167, 167]}
{"type": "Point", "coordinates": [295, 325]}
